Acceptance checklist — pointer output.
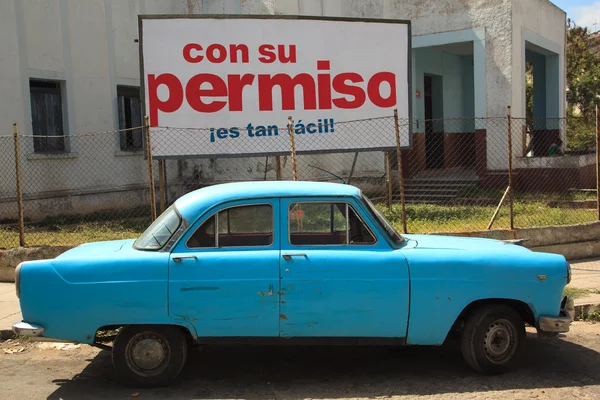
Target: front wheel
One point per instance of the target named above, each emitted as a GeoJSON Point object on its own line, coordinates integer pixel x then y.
{"type": "Point", "coordinates": [150, 355]}
{"type": "Point", "coordinates": [493, 339]}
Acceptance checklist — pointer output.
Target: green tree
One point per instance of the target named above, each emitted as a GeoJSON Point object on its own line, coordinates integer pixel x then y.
{"type": "Point", "coordinates": [583, 83]}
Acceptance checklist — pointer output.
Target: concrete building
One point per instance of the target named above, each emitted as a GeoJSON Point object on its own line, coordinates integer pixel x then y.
{"type": "Point", "coordinates": [72, 67]}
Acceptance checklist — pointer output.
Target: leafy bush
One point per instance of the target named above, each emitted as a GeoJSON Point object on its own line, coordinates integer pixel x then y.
{"type": "Point", "coordinates": [581, 134]}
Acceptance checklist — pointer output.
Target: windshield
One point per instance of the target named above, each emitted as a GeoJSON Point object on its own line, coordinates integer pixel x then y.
{"type": "Point", "coordinates": [161, 230]}
{"type": "Point", "coordinates": [384, 223]}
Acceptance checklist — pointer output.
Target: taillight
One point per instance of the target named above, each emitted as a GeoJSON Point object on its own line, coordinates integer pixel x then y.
{"type": "Point", "coordinates": [18, 279]}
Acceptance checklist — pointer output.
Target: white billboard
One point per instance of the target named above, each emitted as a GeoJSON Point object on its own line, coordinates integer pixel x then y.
{"type": "Point", "coordinates": [232, 83]}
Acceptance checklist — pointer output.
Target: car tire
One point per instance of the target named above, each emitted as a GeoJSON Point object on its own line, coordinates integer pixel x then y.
{"type": "Point", "coordinates": [493, 339]}
{"type": "Point", "coordinates": [149, 355]}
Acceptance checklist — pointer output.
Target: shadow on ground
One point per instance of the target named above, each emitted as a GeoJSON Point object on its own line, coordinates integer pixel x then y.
{"type": "Point", "coordinates": [339, 372]}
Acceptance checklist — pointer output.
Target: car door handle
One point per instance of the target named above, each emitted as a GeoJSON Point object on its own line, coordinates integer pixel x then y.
{"type": "Point", "coordinates": [181, 258]}
{"type": "Point", "coordinates": [288, 257]}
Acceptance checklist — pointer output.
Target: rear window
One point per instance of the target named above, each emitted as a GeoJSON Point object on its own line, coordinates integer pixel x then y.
{"type": "Point", "coordinates": [326, 224]}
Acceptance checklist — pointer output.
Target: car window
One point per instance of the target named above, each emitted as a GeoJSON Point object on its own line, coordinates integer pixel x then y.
{"type": "Point", "coordinates": [161, 230]}
{"type": "Point", "coordinates": [383, 222]}
{"type": "Point", "coordinates": [241, 226]}
{"type": "Point", "coordinates": [323, 223]}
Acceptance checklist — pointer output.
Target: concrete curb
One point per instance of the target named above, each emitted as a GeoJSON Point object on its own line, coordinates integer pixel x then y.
{"type": "Point", "coordinates": [585, 308]}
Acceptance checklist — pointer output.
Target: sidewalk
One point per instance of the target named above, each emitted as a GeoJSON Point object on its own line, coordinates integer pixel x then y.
{"type": "Point", "coordinates": [9, 306]}
{"type": "Point", "coordinates": [586, 276]}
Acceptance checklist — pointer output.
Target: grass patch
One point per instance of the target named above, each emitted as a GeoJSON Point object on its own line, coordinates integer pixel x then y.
{"type": "Point", "coordinates": [75, 230]}
{"type": "Point", "coordinates": [429, 218]}
{"type": "Point", "coordinates": [475, 192]}
{"type": "Point", "coordinates": [576, 293]}
{"type": "Point", "coordinates": [531, 210]}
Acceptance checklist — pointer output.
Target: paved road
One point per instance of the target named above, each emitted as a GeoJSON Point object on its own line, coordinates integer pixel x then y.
{"type": "Point", "coordinates": [9, 306]}
{"type": "Point", "coordinates": [562, 368]}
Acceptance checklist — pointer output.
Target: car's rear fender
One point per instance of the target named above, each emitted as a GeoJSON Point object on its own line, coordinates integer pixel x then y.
{"type": "Point", "coordinates": [75, 308]}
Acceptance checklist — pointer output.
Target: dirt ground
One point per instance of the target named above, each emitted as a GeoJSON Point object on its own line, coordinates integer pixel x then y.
{"type": "Point", "coordinates": [567, 367]}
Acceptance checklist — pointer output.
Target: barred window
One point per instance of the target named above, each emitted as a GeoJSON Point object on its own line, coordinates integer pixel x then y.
{"type": "Point", "coordinates": [47, 116]}
{"type": "Point", "coordinates": [130, 116]}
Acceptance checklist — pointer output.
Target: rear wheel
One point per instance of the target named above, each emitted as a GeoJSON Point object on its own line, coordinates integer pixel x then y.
{"type": "Point", "coordinates": [149, 355]}
{"type": "Point", "coordinates": [493, 339]}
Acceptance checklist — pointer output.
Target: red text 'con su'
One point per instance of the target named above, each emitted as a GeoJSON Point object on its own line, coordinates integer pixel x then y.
{"type": "Point", "coordinates": [211, 93]}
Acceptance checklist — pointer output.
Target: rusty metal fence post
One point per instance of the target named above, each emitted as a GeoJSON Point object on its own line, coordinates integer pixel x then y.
{"type": "Point", "coordinates": [511, 192]}
{"type": "Point", "coordinates": [161, 184]}
{"type": "Point", "coordinates": [293, 148]}
{"type": "Point", "coordinates": [597, 163]}
{"type": "Point", "coordinates": [19, 185]}
{"type": "Point", "coordinates": [150, 169]}
{"type": "Point", "coordinates": [388, 181]}
{"type": "Point", "coordinates": [278, 168]}
{"type": "Point", "coordinates": [400, 171]}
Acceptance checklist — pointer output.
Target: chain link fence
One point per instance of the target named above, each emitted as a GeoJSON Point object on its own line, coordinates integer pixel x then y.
{"type": "Point", "coordinates": [9, 230]}
{"type": "Point", "coordinates": [75, 189]}
{"type": "Point", "coordinates": [454, 177]}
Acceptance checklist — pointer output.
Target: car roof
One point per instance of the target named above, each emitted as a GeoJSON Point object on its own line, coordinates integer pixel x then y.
{"type": "Point", "coordinates": [195, 203]}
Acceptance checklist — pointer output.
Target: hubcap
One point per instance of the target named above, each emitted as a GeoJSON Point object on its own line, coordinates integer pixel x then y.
{"type": "Point", "coordinates": [499, 341]}
{"type": "Point", "coordinates": [148, 353]}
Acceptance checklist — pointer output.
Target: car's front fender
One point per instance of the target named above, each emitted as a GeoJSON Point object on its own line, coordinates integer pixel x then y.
{"type": "Point", "coordinates": [444, 283]}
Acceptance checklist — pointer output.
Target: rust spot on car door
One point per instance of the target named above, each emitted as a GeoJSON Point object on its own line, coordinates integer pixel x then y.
{"type": "Point", "coordinates": [282, 316]}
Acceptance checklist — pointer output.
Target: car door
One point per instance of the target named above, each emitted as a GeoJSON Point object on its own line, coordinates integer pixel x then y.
{"type": "Point", "coordinates": [339, 278]}
{"type": "Point", "coordinates": [224, 273]}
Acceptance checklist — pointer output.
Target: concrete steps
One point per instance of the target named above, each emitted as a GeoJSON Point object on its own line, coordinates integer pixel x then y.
{"type": "Point", "coordinates": [435, 191]}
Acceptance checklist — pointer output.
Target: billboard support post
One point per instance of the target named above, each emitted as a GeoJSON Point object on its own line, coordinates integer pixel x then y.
{"type": "Point", "coordinates": [400, 171]}
{"type": "Point", "coordinates": [150, 169]}
{"type": "Point", "coordinates": [278, 167]}
{"type": "Point", "coordinates": [266, 167]}
{"type": "Point", "coordinates": [388, 181]}
{"type": "Point", "coordinates": [292, 148]}
{"type": "Point", "coordinates": [161, 184]}
{"type": "Point", "coordinates": [352, 168]}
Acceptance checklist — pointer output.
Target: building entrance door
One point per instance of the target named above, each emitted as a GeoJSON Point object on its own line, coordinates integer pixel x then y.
{"type": "Point", "coordinates": [434, 126]}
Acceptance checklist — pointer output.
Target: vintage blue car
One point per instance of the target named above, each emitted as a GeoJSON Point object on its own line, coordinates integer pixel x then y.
{"type": "Point", "coordinates": [290, 262]}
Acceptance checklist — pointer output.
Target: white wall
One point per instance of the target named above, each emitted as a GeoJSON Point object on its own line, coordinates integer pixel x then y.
{"type": "Point", "coordinates": [12, 106]}
{"type": "Point", "coordinates": [540, 18]}
{"type": "Point", "coordinates": [90, 45]}
{"type": "Point", "coordinates": [545, 24]}
{"type": "Point", "coordinates": [44, 51]}
{"type": "Point", "coordinates": [454, 106]}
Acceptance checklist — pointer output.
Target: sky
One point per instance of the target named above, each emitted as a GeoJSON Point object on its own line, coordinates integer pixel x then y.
{"type": "Point", "coordinates": [583, 12]}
